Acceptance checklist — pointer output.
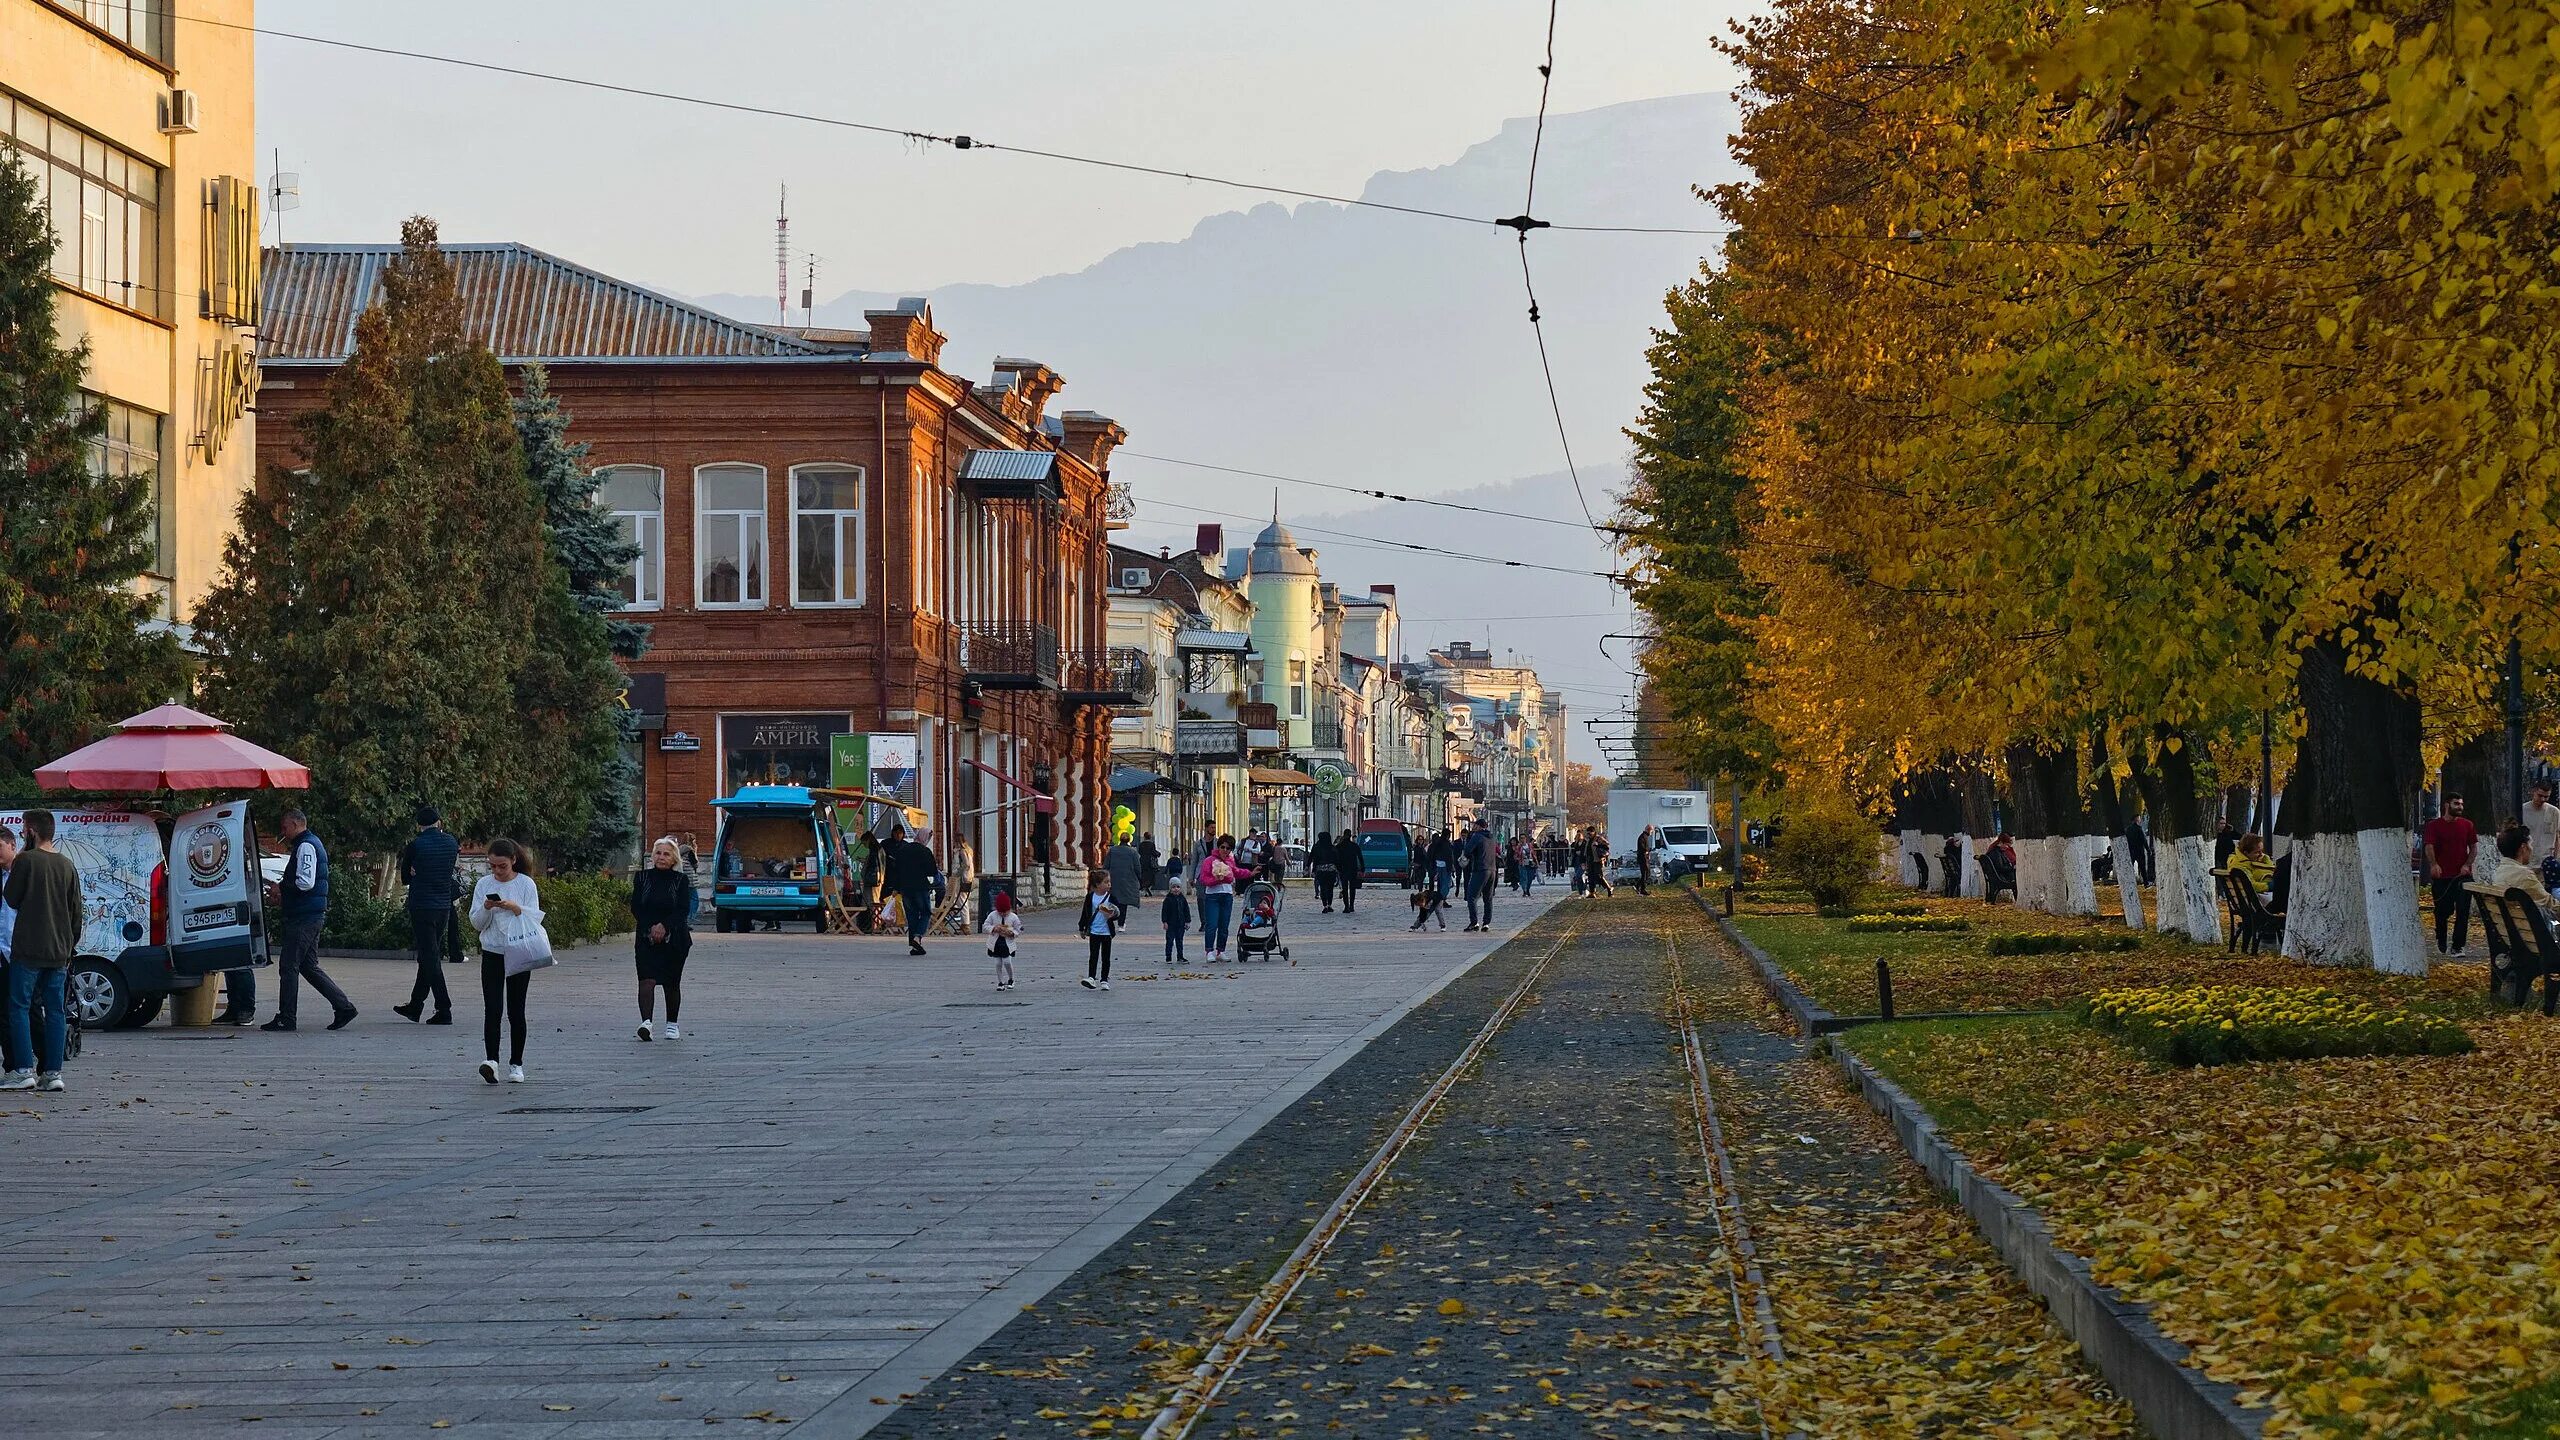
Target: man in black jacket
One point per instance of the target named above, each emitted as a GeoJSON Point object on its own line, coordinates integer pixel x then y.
{"type": "Point", "coordinates": [909, 870]}
{"type": "Point", "coordinates": [426, 867]}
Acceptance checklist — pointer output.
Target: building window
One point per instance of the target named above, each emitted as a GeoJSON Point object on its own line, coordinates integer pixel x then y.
{"type": "Point", "coordinates": [778, 749]}
{"type": "Point", "coordinates": [103, 203]}
{"type": "Point", "coordinates": [141, 24]}
{"type": "Point", "coordinates": [826, 535]}
{"type": "Point", "coordinates": [1297, 689]}
{"type": "Point", "coordinates": [728, 566]}
{"type": "Point", "coordinates": [635, 496]}
{"type": "Point", "coordinates": [131, 446]}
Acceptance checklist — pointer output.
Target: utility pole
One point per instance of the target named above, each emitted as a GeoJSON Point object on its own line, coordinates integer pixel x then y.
{"type": "Point", "coordinates": [2267, 778]}
{"type": "Point", "coordinates": [2515, 724]}
{"type": "Point", "coordinates": [782, 257]}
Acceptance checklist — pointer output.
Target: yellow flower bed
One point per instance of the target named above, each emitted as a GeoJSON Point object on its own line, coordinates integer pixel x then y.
{"type": "Point", "coordinates": [2222, 1024]}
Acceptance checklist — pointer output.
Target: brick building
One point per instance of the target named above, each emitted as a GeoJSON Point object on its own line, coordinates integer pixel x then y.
{"type": "Point", "coordinates": [838, 537]}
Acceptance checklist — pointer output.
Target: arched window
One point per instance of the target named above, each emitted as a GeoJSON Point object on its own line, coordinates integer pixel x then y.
{"type": "Point", "coordinates": [826, 535]}
{"type": "Point", "coordinates": [636, 497]}
{"type": "Point", "coordinates": [728, 548]}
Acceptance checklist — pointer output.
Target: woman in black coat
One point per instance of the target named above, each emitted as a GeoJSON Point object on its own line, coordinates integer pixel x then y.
{"type": "Point", "coordinates": [661, 935]}
{"type": "Point", "coordinates": [1320, 865]}
{"type": "Point", "coordinates": [1347, 861]}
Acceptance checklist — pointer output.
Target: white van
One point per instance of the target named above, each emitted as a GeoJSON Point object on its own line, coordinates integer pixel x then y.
{"type": "Point", "coordinates": [165, 907]}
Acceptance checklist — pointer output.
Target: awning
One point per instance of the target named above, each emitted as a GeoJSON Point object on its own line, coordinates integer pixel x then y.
{"type": "Point", "coordinates": [1127, 779]}
{"type": "Point", "coordinates": [173, 748]}
{"type": "Point", "coordinates": [984, 768]}
{"type": "Point", "coordinates": [1265, 775]}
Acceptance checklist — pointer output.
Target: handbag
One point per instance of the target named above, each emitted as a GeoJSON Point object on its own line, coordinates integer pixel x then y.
{"type": "Point", "coordinates": [528, 946]}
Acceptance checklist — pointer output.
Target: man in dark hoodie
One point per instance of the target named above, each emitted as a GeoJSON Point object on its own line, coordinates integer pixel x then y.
{"type": "Point", "coordinates": [426, 867]}
{"type": "Point", "coordinates": [44, 890]}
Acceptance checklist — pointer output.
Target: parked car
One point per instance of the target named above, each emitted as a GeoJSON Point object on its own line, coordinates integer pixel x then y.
{"type": "Point", "coordinates": [774, 858]}
{"type": "Point", "coordinates": [1386, 852]}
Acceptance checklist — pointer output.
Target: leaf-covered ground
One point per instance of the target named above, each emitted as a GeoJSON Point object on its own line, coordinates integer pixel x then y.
{"type": "Point", "coordinates": [2369, 1244]}
{"type": "Point", "coordinates": [1946, 972]}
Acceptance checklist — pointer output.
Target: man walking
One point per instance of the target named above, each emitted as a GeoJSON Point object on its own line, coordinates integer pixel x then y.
{"type": "Point", "coordinates": [426, 867]}
{"type": "Point", "coordinates": [44, 891]}
{"type": "Point", "coordinates": [302, 902]}
{"type": "Point", "coordinates": [12, 1059]}
{"type": "Point", "coordinates": [1479, 875]}
{"type": "Point", "coordinates": [2449, 840]}
{"type": "Point", "coordinates": [1122, 863]}
{"type": "Point", "coordinates": [2542, 830]}
{"type": "Point", "coordinates": [909, 869]}
{"type": "Point", "coordinates": [1644, 861]}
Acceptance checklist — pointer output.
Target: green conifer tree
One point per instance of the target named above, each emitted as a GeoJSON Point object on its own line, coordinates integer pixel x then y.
{"type": "Point", "coordinates": [378, 606]}
{"type": "Point", "coordinates": [73, 658]}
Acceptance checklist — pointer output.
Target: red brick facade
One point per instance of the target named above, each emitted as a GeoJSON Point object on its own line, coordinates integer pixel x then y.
{"type": "Point", "coordinates": [937, 558]}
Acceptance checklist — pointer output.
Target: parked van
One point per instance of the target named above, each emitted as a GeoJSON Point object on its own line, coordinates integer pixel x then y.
{"type": "Point", "coordinates": [167, 904]}
{"type": "Point", "coordinates": [777, 852]}
{"type": "Point", "coordinates": [1386, 852]}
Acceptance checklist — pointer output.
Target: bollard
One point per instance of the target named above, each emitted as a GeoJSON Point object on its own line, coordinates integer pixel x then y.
{"type": "Point", "coordinates": [1728, 901]}
{"type": "Point", "coordinates": [1884, 990]}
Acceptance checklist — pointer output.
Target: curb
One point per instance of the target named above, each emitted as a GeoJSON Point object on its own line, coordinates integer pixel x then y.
{"type": "Point", "coordinates": [1811, 1020]}
{"type": "Point", "coordinates": [2173, 1399]}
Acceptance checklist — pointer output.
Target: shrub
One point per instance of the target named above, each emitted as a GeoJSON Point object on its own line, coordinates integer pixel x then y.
{"type": "Point", "coordinates": [2223, 1024]}
{"type": "Point", "coordinates": [358, 919]}
{"type": "Point", "coordinates": [2050, 942]}
{"type": "Point", "coordinates": [1830, 853]}
{"type": "Point", "coordinates": [1755, 867]}
{"type": "Point", "coordinates": [577, 909]}
{"type": "Point", "coordinates": [1880, 924]}
{"type": "Point", "coordinates": [1900, 907]}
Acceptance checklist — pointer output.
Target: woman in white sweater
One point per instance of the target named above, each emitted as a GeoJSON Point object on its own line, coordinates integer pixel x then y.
{"type": "Point", "coordinates": [506, 909]}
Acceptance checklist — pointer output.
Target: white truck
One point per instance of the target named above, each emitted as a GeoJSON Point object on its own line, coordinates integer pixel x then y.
{"type": "Point", "coordinates": [1687, 822]}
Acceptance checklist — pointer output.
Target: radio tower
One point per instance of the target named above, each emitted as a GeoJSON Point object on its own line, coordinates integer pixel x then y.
{"type": "Point", "coordinates": [782, 257]}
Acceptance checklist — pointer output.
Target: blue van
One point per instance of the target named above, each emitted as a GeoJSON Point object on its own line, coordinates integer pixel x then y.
{"type": "Point", "coordinates": [1386, 852]}
{"type": "Point", "coordinates": [775, 858]}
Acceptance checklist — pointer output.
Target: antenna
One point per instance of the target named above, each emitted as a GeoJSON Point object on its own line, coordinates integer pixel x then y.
{"type": "Point", "coordinates": [284, 192]}
{"type": "Point", "coordinates": [809, 295]}
{"type": "Point", "coordinates": [782, 257]}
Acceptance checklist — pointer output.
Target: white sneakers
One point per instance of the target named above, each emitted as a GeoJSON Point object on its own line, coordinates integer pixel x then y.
{"type": "Point", "coordinates": [53, 1083]}
{"type": "Point", "coordinates": [644, 1031]}
{"type": "Point", "coordinates": [18, 1080]}
{"type": "Point", "coordinates": [489, 1071]}
{"type": "Point", "coordinates": [671, 1032]}
{"type": "Point", "coordinates": [1086, 982]}
{"type": "Point", "coordinates": [1106, 984]}
{"type": "Point", "coordinates": [515, 1074]}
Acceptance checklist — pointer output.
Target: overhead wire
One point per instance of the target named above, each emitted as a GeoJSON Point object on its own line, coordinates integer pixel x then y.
{"type": "Point", "coordinates": [1522, 224]}
{"type": "Point", "coordinates": [1362, 490]}
{"type": "Point", "coordinates": [1382, 542]}
{"type": "Point", "coordinates": [912, 134]}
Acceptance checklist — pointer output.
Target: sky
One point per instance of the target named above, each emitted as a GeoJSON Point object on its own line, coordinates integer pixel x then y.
{"type": "Point", "coordinates": [1313, 94]}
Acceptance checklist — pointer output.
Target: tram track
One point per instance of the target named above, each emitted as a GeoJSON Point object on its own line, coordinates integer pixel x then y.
{"type": "Point", "coordinates": [1200, 1389]}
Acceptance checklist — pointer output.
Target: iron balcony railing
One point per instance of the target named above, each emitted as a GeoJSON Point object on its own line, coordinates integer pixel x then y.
{"type": "Point", "coordinates": [1324, 734]}
{"type": "Point", "coordinates": [1121, 675]}
{"type": "Point", "coordinates": [1010, 657]}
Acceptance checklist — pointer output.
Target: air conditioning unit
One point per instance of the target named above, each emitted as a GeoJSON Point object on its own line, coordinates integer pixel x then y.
{"type": "Point", "coordinates": [178, 113]}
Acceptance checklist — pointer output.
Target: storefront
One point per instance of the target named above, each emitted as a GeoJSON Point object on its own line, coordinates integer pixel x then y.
{"type": "Point", "coordinates": [778, 749]}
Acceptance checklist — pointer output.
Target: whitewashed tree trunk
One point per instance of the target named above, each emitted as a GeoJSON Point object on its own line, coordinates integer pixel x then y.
{"type": "Point", "coordinates": [2352, 903]}
{"type": "Point", "coordinates": [1903, 869]}
{"type": "Point", "coordinates": [2187, 903]}
{"type": "Point", "coordinates": [2075, 890]}
{"type": "Point", "coordinates": [1972, 867]}
{"type": "Point", "coordinates": [2169, 894]}
{"type": "Point", "coordinates": [1891, 867]}
{"type": "Point", "coordinates": [1935, 847]}
{"type": "Point", "coordinates": [2035, 872]}
{"type": "Point", "coordinates": [2128, 880]}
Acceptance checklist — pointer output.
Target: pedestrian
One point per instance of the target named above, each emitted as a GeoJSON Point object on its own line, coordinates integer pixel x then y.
{"type": "Point", "coordinates": [964, 881]}
{"type": "Point", "coordinates": [2225, 840]}
{"type": "Point", "coordinates": [1999, 868]}
{"type": "Point", "coordinates": [1005, 924]}
{"type": "Point", "coordinates": [909, 871]}
{"type": "Point", "coordinates": [1098, 921]}
{"type": "Point", "coordinates": [302, 904]}
{"type": "Point", "coordinates": [1347, 863]}
{"type": "Point", "coordinates": [1573, 857]}
{"type": "Point", "coordinates": [1478, 856]}
{"type": "Point", "coordinates": [506, 908]}
{"type": "Point", "coordinates": [1122, 864]}
{"type": "Point", "coordinates": [12, 1059]}
{"type": "Point", "coordinates": [426, 867]}
{"type": "Point", "coordinates": [1597, 882]}
{"type": "Point", "coordinates": [874, 858]}
{"type": "Point", "coordinates": [1951, 867]}
{"type": "Point", "coordinates": [1150, 862]}
{"type": "Point", "coordinates": [1644, 863]}
{"type": "Point", "coordinates": [2542, 830]}
{"type": "Point", "coordinates": [1510, 869]}
{"type": "Point", "coordinates": [2450, 839]}
{"type": "Point", "coordinates": [692, 855]}
{"type": "Point", "coordinates": [44, 890]}
{"type": "Point", "coordinates": [662, 900]}
{"type": "Point", "coordinates": [1320, 863]}
{"type": "Point", "coordinates": [1219, 872]}
{"type": "Point", "coordinates": [1176, 915]}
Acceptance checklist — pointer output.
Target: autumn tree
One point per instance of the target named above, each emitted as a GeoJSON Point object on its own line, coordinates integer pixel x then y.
{"type": "Point", "coordinates": [74, 540]}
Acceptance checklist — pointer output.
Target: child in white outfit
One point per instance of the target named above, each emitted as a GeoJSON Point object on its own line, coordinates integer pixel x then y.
{"type": "Point", "coordinates": [1005, 923]}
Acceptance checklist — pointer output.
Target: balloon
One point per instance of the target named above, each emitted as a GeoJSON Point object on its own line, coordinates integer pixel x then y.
{"type": "Point", "coordinates": [1124, 824]}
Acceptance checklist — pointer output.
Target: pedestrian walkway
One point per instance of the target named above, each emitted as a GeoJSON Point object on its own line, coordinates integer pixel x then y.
{"type": "Point", "coordinates": [1545, 1259]}
{"type": "Point", "coordinates": [852, 1170]}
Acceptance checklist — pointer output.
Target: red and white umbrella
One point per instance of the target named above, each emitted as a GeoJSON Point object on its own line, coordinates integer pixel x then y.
{"type": "Point", "coordinates": [173, 748]}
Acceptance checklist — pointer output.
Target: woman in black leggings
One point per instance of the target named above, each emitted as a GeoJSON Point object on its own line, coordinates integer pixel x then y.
{"type": "Point", "coordinates": [505, 908]}
{"type": "Point", "coordinates": [661, 903]}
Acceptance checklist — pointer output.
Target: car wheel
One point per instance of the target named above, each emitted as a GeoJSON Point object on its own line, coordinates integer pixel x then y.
{"type": "Point", "coordinates": [98, 993]}
{"type": "Point", "coordinates": [142, 1011]}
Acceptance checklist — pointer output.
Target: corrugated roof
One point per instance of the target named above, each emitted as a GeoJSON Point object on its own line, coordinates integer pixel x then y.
{"type": "Point", "coordinates": [1010, 465]}
{"type": "Point", "coordinates": [519, 301]}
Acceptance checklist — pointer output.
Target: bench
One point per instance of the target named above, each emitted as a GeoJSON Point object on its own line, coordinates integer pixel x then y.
{"type": "Point", "coordinates": [2521, 945]}
{"type": "Point", "coordinates": [2252, 923]}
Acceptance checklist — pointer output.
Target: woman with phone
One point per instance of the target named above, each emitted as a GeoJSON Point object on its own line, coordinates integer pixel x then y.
{"type": "Point", "coordinates": [507, 910]}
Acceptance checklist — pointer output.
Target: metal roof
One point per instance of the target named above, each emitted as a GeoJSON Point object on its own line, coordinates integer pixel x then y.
{"type": "Point", "coordinates": [1010, 465]}
{"type": "Point", "coordinates": [520, 302]}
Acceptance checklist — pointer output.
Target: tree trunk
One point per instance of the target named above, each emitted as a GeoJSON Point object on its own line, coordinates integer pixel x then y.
{"type": "Point", "coordinates": [2112, 819]}
{"type": "Point", "coordinates": [2182, 856]}
{"type": "Point", "coordinates": [2029, 825]}
{"type": "Point", "coordinates": [1976, 794]}
{"type": "Point", "coordinates": [2348, 810]}
{"type": "Point", "coordinates": [2054, 846]}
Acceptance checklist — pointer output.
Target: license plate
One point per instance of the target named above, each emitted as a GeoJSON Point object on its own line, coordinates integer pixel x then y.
{"type": "Point", "coordinates": [763, 890]}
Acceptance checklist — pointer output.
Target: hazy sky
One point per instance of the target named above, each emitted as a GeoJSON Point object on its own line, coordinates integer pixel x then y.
{"type": "Point", "coordinates": [1313, 94]}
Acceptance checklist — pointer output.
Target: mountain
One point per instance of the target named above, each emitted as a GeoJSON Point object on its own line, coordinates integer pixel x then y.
{"type": "Point", "coordinates": [1383, 349]}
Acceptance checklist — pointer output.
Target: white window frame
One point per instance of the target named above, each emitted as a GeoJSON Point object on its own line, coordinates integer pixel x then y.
{"type": "Point", "coordinates": [764, 522]}
{"type": "Point", "coordinates": [861, 513]}
{"type": "Point", "coordinates": [654, 558]}
{"type": "Point", "coordinates": [1293, 679]}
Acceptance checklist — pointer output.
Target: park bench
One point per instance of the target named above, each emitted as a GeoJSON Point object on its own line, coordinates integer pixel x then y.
{"type": "Point", "coordinates": [2252, 923]}
{"type": "Point", "coordinates": [2521, 945]}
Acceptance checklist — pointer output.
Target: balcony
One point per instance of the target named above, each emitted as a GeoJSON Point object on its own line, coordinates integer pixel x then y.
{"type": "Point", "coordinates": [1120, 675]}
{"type": "Point", "coordinates": [1324, 734]}
{"type": "Point", "coordinates": [1261, 721]}
{"type": "Point", "coordinates": [1015, 475]}
{"type": "Point", "coordinates": [1208, 742]}
{"type": "Point", "coordinates": [1010, 657]}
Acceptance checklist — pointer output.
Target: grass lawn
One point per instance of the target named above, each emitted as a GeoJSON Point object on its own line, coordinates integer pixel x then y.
{"type": "Point", "coordinates": [1935, 971]}
{"type": "Point", "coordinates": [2371, 1245]}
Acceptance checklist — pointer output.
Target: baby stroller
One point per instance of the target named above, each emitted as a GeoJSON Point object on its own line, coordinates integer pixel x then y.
{"type": "Point", "coordinates": [1258, 922]}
